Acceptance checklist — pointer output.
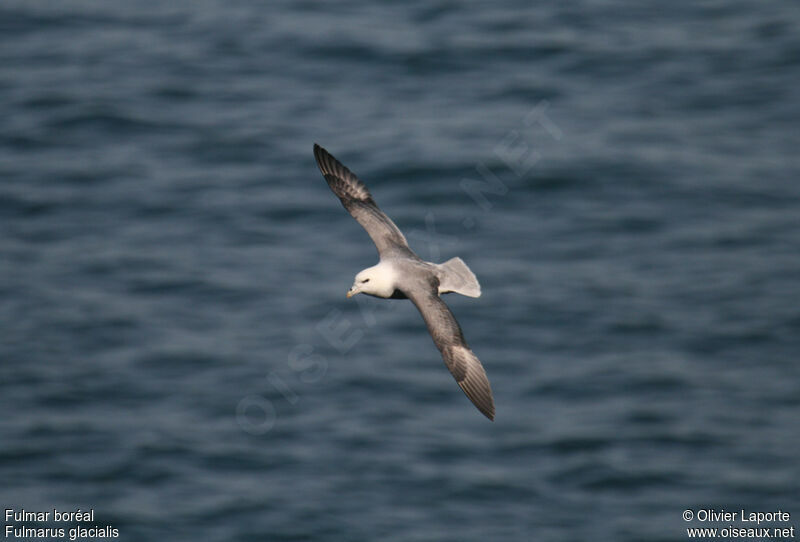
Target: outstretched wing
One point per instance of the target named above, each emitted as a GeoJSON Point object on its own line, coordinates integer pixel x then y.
{"type": "Point", "coordinates": [358, 201]}
{"type": "Point", "coordinates": [463, 364]}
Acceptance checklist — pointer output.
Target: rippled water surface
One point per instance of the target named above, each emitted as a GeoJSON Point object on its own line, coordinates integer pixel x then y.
{"type": "Point", "coordinates": [177, 351]}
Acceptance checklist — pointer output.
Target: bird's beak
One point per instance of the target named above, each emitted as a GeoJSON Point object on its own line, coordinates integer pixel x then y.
{"type": "Point", "coordinates": [351, 292]}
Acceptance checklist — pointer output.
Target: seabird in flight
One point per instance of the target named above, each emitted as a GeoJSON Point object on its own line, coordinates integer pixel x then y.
{"type": "Point", "coordinates": [400, 273]}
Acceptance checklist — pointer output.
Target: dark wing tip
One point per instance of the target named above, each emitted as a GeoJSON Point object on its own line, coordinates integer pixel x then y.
{"type": "Point", "coordinates": [344, 183]}
{"type": "Point", "coordinates": [471, 377]}
{"type": "Point", "coordinates": [325, 160]}
{"type": "Point", "coordinates": [485, 404]}
{"type": "Point", "coordinates": [489, 412]}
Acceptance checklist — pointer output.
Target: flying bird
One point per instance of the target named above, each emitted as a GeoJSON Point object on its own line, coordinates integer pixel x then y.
{"type": "Point", "coordinates": [401, 274]}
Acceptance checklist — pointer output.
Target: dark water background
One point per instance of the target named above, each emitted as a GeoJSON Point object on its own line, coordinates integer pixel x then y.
{"type": "Point", "coordinates": [177, 352]}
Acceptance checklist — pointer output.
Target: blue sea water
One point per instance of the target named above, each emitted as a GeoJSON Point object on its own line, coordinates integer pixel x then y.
{"type": "Point", "coordinates": [177, 352]}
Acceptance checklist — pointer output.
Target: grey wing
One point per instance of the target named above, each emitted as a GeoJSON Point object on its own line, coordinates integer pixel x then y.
{"type": "Point", "coordinates": [459, 358]}
{"type": "Point", "coordinates": [358, 201]}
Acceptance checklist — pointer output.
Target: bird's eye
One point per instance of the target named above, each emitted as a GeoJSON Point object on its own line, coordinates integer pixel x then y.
{"type": "Point", "coordinates": [364, 281]}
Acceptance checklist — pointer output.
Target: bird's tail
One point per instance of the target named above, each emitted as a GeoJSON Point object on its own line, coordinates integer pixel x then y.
{"type": "Point", "coordinates": [455, 276]}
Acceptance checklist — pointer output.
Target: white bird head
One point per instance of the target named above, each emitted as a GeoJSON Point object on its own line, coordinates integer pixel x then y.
{"type": "Point", "coordinates": [377, 281]}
